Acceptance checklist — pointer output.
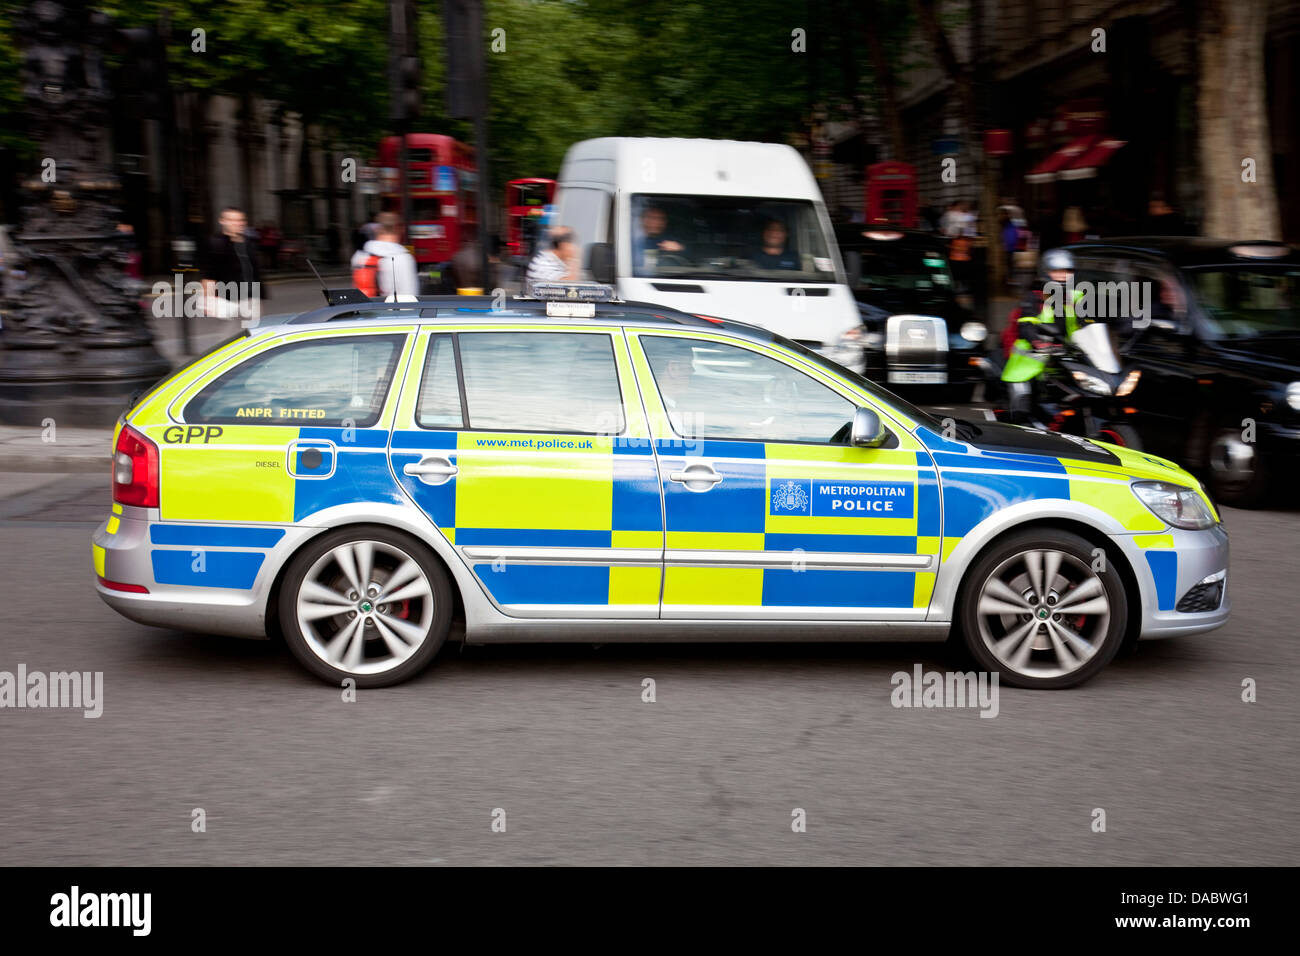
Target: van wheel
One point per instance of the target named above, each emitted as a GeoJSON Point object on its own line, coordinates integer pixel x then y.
{"type": "Point", "coordinates": [365, 603]}
{"type": "Point", "coordinates": [1034, 610]}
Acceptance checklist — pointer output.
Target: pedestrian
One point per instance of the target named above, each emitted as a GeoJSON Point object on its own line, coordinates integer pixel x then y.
{"type": "Point", "coordinates": [231, 261]}
{"type": "Point", "coordinates": [463, 275]}
{"type": "Point", "coordinates": [385, 260]}
{"type": "Point", "coordinates": [1010, 236]}
{"type": "Point", "coordinates": [559, 263]}
{"type": "Point", "coordinates": [1162, 220]}
{"type": "Point", "coordinates": [1074, 228]}
{"type": "Point", "coordinates": [950, 220]}
{"type": "Point", "coordinates": [269, 244]}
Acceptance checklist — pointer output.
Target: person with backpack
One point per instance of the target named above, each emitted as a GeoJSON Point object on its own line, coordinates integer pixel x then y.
{"type": "Point", "coordinates": [383, 267]}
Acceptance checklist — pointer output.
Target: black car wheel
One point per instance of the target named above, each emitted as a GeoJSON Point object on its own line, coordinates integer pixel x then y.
{"type": "Point", "coordinates": [1126, 436]}
{"type": "Point", "coordinates": [1238, 474]}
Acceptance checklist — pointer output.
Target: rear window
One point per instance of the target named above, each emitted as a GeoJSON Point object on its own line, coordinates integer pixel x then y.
{"type": "Point", "coordinates": [340, 381]}
{"type": "Point", "coordinates": [144, 394]}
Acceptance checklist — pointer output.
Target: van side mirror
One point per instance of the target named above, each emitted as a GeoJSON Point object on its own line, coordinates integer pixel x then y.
{"type": "Point", "coordinates": [600, 262]}
{"type": "Point", "coordinates": [868, 431]}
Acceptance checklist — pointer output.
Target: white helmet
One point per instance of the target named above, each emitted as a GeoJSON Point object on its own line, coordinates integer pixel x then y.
{"type": "Point", "coordinates": [1058, 260]}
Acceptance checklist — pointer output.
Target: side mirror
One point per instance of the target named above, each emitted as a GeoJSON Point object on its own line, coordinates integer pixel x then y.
{"type": "Point", "coordinates": [867, 431]}
{"type": "Point", "coordinates": [600, 262]}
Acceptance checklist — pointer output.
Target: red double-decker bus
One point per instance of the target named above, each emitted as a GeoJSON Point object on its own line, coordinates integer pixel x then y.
{"type": "Point", "coordinates": [442, 176]}
{"type": "Point", "coordinates": [526, 202]}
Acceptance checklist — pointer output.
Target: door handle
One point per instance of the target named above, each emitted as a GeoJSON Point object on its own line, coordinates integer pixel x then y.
{"type": "Point", "coordinates": [432, 470]}
{"type": "Point", "coordinates": [696, 477]}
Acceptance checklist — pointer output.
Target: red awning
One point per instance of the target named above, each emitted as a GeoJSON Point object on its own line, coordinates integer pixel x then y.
{"type": "Point", "coordinates": [1047, 170]}
{"type": "Point", "coordinates": [1086, 165]}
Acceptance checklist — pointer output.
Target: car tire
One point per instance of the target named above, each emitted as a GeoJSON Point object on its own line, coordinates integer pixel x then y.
{"type": "Point", "coordinates": [1016, 622]}
{"type": "Point", "coordinates": [393, 601]}
{"type": "Point", "coordinates": [1126, 436]}
{"type": "Point", "coordinates": [1236, 473]}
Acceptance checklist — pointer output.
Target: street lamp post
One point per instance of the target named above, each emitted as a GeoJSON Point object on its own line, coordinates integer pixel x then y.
{"type": "Point", "coordinates": [76, 341]}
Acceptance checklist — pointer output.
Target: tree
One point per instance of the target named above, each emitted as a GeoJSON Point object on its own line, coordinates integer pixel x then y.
{"type": "Point", "coordinates": [1236, 158]}
{"type": "Point", "coordinates": [969, 79]}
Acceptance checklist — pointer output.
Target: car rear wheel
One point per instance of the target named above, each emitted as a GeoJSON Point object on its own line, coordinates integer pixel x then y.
{"type": "Point", "coordinates": [366, 603]}
{"type": "Point", "coordinates": [1041, 611]}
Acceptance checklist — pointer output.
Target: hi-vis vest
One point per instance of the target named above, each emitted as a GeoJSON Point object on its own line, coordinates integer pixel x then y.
{"type": "Point", "coordinates": [1024, 363]}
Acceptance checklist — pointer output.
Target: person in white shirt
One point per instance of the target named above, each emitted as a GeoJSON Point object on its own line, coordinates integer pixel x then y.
{"type": "Point", "coordinates": [396, 271]}
{"type": "Point", "coordinates": [559, 263]}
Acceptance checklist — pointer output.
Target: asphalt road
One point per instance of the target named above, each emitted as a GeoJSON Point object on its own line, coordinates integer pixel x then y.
{"type": "Point", "coordinates": [559, 738]}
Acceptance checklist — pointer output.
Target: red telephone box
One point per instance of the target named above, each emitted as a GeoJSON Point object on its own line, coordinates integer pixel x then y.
{"type": "Point", "coordinates": [891, 194]}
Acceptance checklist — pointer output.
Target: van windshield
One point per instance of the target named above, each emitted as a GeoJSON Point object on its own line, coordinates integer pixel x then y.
{"type": "Point", "coordinates": [729, 237]}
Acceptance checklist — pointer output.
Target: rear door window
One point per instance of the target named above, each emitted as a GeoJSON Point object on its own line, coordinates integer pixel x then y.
{"type": "Point", "coordinates": [338, 381]}
{"type": "Point", "coordinates": [541, 382]}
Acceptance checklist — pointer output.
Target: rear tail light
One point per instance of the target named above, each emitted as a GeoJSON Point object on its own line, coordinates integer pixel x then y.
{"type": "Point", "coordinates": [119, 586]}
{"type": "Point", "coordinates": [135, 470]}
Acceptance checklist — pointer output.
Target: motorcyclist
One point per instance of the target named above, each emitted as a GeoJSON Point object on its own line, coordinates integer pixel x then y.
{"type": "Point", "coordinates": [1040, 334]}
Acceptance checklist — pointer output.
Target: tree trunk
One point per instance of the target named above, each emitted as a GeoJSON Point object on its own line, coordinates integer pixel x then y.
{"type": "Point", "coordinates": [1233, 121]}
{"type": "Point", "coordinates": [886, 83]}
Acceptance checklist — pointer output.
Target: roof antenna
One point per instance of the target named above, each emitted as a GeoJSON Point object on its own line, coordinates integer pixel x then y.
{"type": "Point", "coordinates": [321, 281]}
{"type": "Point", "coordinates": [338, 296]}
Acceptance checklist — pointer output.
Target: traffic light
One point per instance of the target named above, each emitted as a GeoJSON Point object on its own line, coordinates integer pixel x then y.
{"type": "Point", "coordinates": [406, 92]}
{"type": "Point", "coordinates": [463, 30]}
{"type": "Point", "coordinates": [406, 97]}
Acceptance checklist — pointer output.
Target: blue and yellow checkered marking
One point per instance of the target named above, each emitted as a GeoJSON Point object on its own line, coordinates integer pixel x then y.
{"type": "Point", "coordinates": [784, 500]}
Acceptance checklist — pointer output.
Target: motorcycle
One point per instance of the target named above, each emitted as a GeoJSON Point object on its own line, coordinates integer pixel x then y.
{"type": "Point", "coordinates": [1079, 392]}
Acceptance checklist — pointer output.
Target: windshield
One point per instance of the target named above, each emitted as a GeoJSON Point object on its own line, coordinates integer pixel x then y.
{"type": "Point", "coordinates": [729, 237]}
{"type": "Point", "coordinates": [529, 194]}
{"type": "Point", "coordinates": [1243, 302]}
{"type": "Point", "coordinates": [887, 270]}
{"type": "Point", "coordinates": [885, 396]}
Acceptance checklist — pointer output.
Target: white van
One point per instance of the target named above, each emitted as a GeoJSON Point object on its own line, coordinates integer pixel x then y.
{"type": "Point", "coordinates": [720, 228]}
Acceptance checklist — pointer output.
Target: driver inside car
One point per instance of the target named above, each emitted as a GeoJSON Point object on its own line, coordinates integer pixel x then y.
{"type": "Point", "coordinates": [653, 243]}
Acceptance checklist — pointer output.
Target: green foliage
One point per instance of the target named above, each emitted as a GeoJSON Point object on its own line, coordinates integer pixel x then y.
{"type": "Point", "coordinates": [11, 135]}
{"type": "Point", "coordinates": [571, 69]}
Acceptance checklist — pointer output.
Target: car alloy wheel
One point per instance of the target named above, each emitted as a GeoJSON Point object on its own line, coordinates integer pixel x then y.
{"type": "Point", "coordinates": [1043, 613]}
{"type": "Point", "coordinates": [1037, 611]}
{"type": "Point", "coordinates": [366, 604]}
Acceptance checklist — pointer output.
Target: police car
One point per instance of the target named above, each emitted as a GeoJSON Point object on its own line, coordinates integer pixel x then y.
{"type": "Point", "coordinates": [573, 470]}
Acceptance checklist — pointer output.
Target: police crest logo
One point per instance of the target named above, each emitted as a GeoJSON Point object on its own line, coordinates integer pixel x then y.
{"type": "Point", "coordinates": [789, 497]}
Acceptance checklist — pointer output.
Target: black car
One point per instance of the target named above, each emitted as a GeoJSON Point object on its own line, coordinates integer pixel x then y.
{"type": "Point", "coordinates": [916, 332]}
{"type": "Point", "coordinates": [1214, 327]}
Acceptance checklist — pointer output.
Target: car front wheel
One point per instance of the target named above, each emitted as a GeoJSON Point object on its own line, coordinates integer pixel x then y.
{"type": "Point", "coordinates": [365, 603]}
{"type": "Point", "coordinates": [1044, 609]}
